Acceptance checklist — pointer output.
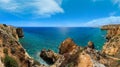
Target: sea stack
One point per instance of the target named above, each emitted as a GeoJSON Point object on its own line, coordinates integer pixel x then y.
{"type": "Point", "coordinates": [67, 46]}
{"type": "Point", "coordinates": [20, 32]}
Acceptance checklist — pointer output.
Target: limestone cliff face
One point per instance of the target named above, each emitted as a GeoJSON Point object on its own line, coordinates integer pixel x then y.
{"type": "Point", "coordinates": [73, 55]}
{"type": "Point", "coordinates": [1, 64]}
{"type": "Point", "coordinates": [9, 45]}
{"type": "Point", "coordinates": [70, 54]}
{"type": "Point", "coordinates": [49, 56]}
{"type": "Point", "coordinates": [67, 46]}
{"type": "Point", "coordinates": [78, 56]}
{"type": "Point", "coordinates": [112, 46]}
{"type": "Point", "coordinates": [20, 32]}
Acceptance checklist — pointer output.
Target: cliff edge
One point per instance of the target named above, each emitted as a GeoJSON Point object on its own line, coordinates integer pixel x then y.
{"type": "Point", "coordinates": [12, 54]}
{"type": "Point", "coordinates": [112, 46]}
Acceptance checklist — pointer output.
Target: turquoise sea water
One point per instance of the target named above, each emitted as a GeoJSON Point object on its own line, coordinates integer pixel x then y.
{"type": "Point", "coordinates": [37, 38]}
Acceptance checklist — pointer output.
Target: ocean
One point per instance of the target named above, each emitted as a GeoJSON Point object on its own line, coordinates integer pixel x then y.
{"type": "Point", "coordinates": [37, 38]}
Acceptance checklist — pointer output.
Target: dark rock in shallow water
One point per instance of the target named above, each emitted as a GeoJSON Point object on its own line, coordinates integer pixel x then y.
{"type": "Point", "coordinates": [49, 56]}
{"type": "Point", "coordinates": [20, 32]}
{"type": "Point", "coordinates": [91, 44]}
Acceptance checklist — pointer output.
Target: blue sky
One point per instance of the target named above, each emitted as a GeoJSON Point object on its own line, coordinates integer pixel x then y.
{"type": "Point", "coordinates": [62, 13]}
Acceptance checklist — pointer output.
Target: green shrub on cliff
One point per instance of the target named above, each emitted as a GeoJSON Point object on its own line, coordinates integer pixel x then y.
{"type": "Point", "coordinates": [70, 64]}
{"type": "Point", "coordinates": [10, 62]}
{"type": "Point", "coordinates": [118, 61]}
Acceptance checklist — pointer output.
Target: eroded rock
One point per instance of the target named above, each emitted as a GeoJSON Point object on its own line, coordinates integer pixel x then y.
{"type": "Point", "coordinates": [73, 55]}
{"type": "Point", "coordinates": [91, 44]}
{"type": "Point", "coordinates": [49, 56]}
{"type": "Point", "coordinates": [20, 32]}
{"type": "Point", "coordinates": [9, 40]}
{"type": "Point", "coordinates": [112, 46]}
{"type": "Point", "coordinates": [67, 46]}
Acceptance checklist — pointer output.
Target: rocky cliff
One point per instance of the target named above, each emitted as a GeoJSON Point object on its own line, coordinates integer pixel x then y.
{"type": "Point", "coordinates": [79, 56]}
{"type": "Point", "coordinates": [112, 46]}
{"type": "Point", "coordinates": [72, 55]}
{"type": "Point", "coordinates": [12, 54]}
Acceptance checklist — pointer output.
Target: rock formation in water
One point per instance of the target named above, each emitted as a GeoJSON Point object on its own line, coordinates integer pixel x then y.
{"type": "Point", "coordinates": [20, 32]}
{"type": "Point", "coordinates": [72, 55]}
{"type": "Point", "coordinates": [49, 56]}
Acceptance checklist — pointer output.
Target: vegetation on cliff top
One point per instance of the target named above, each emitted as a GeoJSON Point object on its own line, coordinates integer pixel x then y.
{"type": "Point", "coordinates": [10, 62]}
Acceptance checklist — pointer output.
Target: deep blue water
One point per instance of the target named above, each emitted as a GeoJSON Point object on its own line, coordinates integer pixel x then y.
{"type": "Point", "coordinates": [37, 38]}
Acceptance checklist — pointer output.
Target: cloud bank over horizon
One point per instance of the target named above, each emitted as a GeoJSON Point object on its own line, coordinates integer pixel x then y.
{"type": "Point", "coordinates": [92, 23]}
{"type": "Point", "coordinates": [103, 21]}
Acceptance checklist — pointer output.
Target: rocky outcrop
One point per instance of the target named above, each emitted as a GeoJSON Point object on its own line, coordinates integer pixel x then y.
{"type": "Point", "coordinates": [75, 56]}
{"type": "Point", "coordinates": [112, 46]}
{"type": "Point", "coordinates": [70, 54]}
{"type": "Point", "coordinates": [20, 32]}
{"type": "Point", "coordinates": [10, 46]}
{"type": "Point", "coordinates": [67, 54]}
{"type": "Point", "coordinates": [67, 46]}
{"type": "Point", "coordinates": [1, 64]}
{"type": "Point", "coordinates": [49, 56]}
{"type": "Point", "coordinates": [91, 45]}
{"type": "Point", "coordinates": [52, 58]}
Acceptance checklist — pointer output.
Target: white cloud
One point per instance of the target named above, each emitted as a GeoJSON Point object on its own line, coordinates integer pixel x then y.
{"type": "Point", "coordinates": [116, 2]}
{"type": "Point", "coordinates": [47, 7]}
{"type": "Point", "coordinates": [59, 1]}
{"type": "Point", "coordinates": [103, 21]}
{"type": "Point", "coordinates": [32, 7]}
{"type": "Point", "coordinates": [8, 5]}
{"type": "Point", "coordinates": [5, 1]}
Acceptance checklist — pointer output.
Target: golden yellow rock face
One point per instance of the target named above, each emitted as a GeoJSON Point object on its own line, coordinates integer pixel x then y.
{"type": "Point", "coordinates": [76, 56]}
{"type": "Point", "coordinates": [84, 60]}
{"type": "Point", "coordinates": [112, 46]}
{"type": "Point", "coordinates": [1, 42]}
{"type": "Point", "coordinates": [1, 64]}
{"type": "Point", "coordinates": [10, 45]}
{"type": "Point", "coordinates": [67, 46]}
